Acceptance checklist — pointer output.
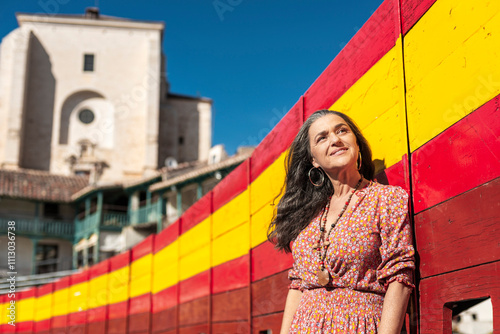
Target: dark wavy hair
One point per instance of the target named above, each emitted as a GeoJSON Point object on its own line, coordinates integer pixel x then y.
{"type": "Point", "coordinates": [302, 201]}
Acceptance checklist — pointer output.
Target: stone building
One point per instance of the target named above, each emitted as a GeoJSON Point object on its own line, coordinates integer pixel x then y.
{"type": "Point", "coordinates": [95, 151]}
{"type": "Point", "coordinates": [87, 94]}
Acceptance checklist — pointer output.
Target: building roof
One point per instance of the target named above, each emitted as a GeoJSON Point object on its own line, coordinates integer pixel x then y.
{"type": "Point", "coordinates": [95, 19]}
{"type": "Point", "coordinates": [188, 97]}
{"type": "Point", "coordinates": [39, 185]}
{"type": "Point", "coordinates": [199, 170]}
{"type": "Point", "coordinates": [89, 189]}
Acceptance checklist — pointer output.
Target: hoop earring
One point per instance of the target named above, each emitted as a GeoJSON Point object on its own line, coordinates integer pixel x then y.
{"type": "Point", "coordinates": [322, 177]}
{"type": "Point", "coordinates": [360, 160]}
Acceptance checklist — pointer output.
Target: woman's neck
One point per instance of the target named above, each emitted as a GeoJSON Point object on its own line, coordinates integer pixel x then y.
{"type": "Point", "coordinates": [344, 182]}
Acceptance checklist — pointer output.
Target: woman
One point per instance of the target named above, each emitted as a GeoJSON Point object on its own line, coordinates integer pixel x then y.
{"type": "Point", "coordinates": [352, 245]}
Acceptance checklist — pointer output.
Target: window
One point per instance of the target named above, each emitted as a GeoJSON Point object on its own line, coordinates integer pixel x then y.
{"type": "Point", "coordinates": [46, 259]}
{"type": "Point", "coordinates": [181, 140]}
{"type": "Point", "coordinates": [88, 63]}
{"type": "Point", "coordinates": [86, 116]}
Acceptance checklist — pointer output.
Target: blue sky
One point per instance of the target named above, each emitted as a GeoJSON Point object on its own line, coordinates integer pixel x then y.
{"type": "Point", "coordinates": [254, 58]}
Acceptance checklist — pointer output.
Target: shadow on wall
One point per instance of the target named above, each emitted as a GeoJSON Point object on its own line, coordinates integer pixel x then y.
{"type": "Point", "coordinates": [39, 108]}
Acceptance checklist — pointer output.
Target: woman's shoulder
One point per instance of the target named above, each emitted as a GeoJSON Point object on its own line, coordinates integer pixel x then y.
{"type": "Point", "coordinates": [387, 191]}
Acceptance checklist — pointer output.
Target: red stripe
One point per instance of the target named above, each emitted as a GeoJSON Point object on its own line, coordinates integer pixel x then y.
{"type": "Point", "coordinates": [197, 212]}
{"type": "Point", "coordinates": [194, 287]}
{"type": "Point", "coordinates": [267, 261]}
{"type": "Point", "coordinates": [118, 310]}
{"type": "Point", "coordinates": [464, 156]}
{"type": "Point", "coordinates": [99, 269]}
{"type": "Point", "coordinates": [412, 11]}
{"type": "Point", "coordinates": [143, 248]}
{"type": "Point", "coordinates": [78, 318]}
{"type": "Point", "coordinates": [231, 275]}
{"type": "Point", "coordinates": [277, 141]}
{"type": "Point", "coordinates": [42, 326]}
{"type": "Point", "coordinates": [79, 277]}
{"type": "Point", "coordinates": [396, 175]}
{"type": "Point", "coordinates": [164, 320]}
{"type": "Point", "coordinates": [197, 329]}
{"type": "Point", "coordinates": [119, 261]}
{"type": "Point", "coordinates": [59, 321]}
{"type": "Point", "coordinates": [167, 236]}
{"type": "Point", "coordinates": [195, 312]}
{"type": "Point", "coordinates": [97, 314]}
{"type": "Point", "coordinates": [26, 294]}
{"type": "Point", "coordinates": [377, 36]}
{"type": "Point", "coordinates": [231, 306]}
{"type": "Point", "coordinates": [165, 299]}
{"type": "Point", "coordinates": [25, 326]}
{"type": "Point", "coordinates": [271, 322]}
{"type": "Point", "coordinates": [98, 327]}
{"type": "Point", "coordinates": [269, 294]}
{"type": "Point", "coordinates": [240, 327]}
{"type": "Point", "coordinates": [461, 232]}
{"type": "Point", "coordinates": [232, 185]}
{"type": "Point", "coordinates": [140, 304]}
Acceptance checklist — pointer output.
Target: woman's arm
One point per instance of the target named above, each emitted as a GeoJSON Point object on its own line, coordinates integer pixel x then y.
{"type": "Point", "coordinates": [292, 302]}
{"type": "Point", "coordinates": [394, 308]}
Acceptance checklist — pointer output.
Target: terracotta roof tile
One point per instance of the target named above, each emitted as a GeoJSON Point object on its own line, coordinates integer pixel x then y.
{"type": "Point", "coordinates": [39, 185]}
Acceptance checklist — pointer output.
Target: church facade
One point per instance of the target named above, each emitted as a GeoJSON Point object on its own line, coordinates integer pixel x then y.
{"type": "Point", "coordinates": [88, 125]}
{"type": "Point", "coordinates": [87, 95]}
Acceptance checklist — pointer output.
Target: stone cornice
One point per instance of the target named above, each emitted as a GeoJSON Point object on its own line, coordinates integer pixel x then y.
{"type": "Point", "coordinates": [102, 21]}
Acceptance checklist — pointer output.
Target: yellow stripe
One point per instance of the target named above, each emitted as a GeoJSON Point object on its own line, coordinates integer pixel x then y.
{"type": "Point", "coordinates": [141, 266]}
{"type": "Point", "coordinates": [268, 184]}
{"type": "Point", "coordinates": [449, 77]}
{"type": "Point", "coordinates": [141, 275]}
{"type": "Point", "coordinates": [230, 215]}
{"type": "Point", "coordinates": [376, 103]}
{"type": "Point", "coordinates": [78, 297]}
{"type": "Point", "coordinates": [43, 309]}
{"type": "Point", "coordinates": [140, 286]}
{"type": "Point", "coordinates": [118, 285]}
{"type": "Point", "coordinates": [231, 245]}
{"type": "Point", "coordinates": [194, 263]}
{"type": "Point", "coordinates": [25, 309]}
{"type": "Point", "coordinates": [61, 301]}
{"type": "Point", "coordinates": [166, 267]}
{"type": "Point", "coordinates": [196, 237]}
{"type": "Point", "coordinates": [98, 291]}
{"type": "Point", "coordinates": [3, 313]}
{"type": "Point", "coordinates": [259, 223]}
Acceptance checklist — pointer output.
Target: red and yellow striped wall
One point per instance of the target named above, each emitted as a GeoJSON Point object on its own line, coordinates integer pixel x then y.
{"type": "Point", "coordinates": [421, 79]}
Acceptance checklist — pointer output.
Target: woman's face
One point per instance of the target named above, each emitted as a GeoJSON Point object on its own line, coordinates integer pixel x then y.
{"type": "Point", "coordinates": [333, 144]}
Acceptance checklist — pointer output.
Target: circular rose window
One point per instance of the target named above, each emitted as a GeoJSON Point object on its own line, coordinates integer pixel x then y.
{"type": "Point", "coordinates": [86, 116]}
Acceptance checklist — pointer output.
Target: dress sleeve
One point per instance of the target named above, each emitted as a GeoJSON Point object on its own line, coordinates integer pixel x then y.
{"type": "Point", "coordinates": [396, 248]}
{"type": "Point", "coordinates": [296, 280]}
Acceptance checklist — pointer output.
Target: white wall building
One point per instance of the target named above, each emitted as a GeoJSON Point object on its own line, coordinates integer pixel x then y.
{"type": "Point", "coordinates": [87, 94]}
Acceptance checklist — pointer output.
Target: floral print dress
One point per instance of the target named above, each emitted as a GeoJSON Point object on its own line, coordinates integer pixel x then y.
{"type": "Point", "coordinates": [370, 247]}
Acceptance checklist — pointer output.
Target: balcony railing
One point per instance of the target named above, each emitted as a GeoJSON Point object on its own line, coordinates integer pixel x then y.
{"type": "Point", "coordinates": [146, 214]}
{"type": "Point", "coordinates": [114, 220]}
{"type": "Point", "coordinates": [38, 227]}
{"type": "Point", "coordinates": [86, 225]}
